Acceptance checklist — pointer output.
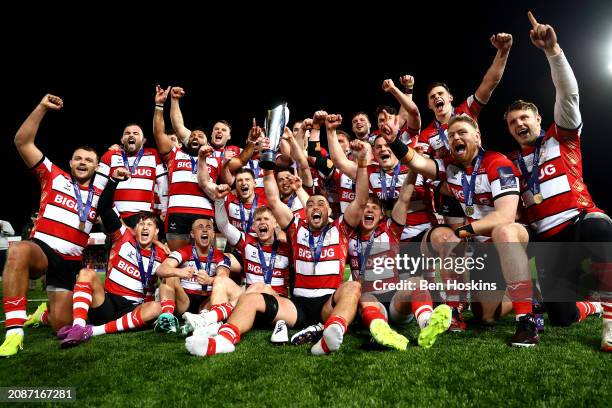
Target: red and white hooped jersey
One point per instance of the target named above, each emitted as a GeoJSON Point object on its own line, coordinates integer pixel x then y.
{"type": "Point", "coordinates": [58, 223]}
{"type": "Point", "coordinates": [251, 264]}
{"type": "Point", "coordinates": [385, 245]}
{"type": "Point", "coordinates": [136, 194]}
{"type": "Point", "coordinates": [184, 257]}
{"type": "Point", "coordinates": [326, 276]}
{"type": "Point", "coordinates": [418, 215]}
{"type": "Point", "coordinates": [345, 186]}
{"type": "Point", "coordinates": [232, 208]}
{"type": "Point", "coordinates": [299, 212]}
{"type": "Point", "coordinates": [184, 193]}
{"type": "Point", "coordinates": [123, 275]}
{"type": "Point", "coordinates": [220, 153]}
{"type": "Point", "coordinates": [562, 187]}
{"type": "Point", "coordinates": [497, 176]}
{"type": "Point", "coordinates": [438, 149]}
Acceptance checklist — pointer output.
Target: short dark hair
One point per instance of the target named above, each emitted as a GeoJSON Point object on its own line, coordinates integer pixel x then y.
{"type": "Point", "coordinates": [390, 110]}
{"type": "Point", "coordinates": [435, 84]}
{"type": "Point", "coordinates": [148, 215]}
{"type": "Point", "coordinates": [200, 129]}
{"type": "Point", "coordinates": [345, 134]}
{"type": "Point", "coordinates": [245, 170]}
{"type": "Point", "coordinates": [521, 105]}
{"type": "Point", "coordinates": [375, 200]}
{"type": "Point", "coordinates": [280, 169]}
{"type": "Point", "coordinates": [87, 149]}
{"type": "Point", "coordinates": [360, 113]}
{"type": "Point", "coordinates": [225, 122]}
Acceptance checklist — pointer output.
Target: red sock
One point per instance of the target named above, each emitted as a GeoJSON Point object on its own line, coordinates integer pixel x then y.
{"type": "Point", "coordinates": [128, 321]}
{"type": "Point", "coordinates": [44, 318]}
{"type": "Point", "coordinates": [81, 301]}
{"type": "Point", "coordinates": [339, 320]}
{"type": "Point", "coordinates": [15, 310]}
{"type": "Point", "coordinates": [168, 306]}
{"type": "Point", "coordinates": [223, 311]}
{"type": "Point", "coordinates": [520, 294]}
{"type": "Point", "coordinates": [370, 313]}
{"type": "Point", "coordinates": [230, 332]}
{"type": "Point", "coordinates": [452, 295]}
{"type": "Point", "coordinates": [585, 309]}
{"type": "Point", "coordinates": [420, 302]}
{"type": "Point", "coordinates": [607, 310]}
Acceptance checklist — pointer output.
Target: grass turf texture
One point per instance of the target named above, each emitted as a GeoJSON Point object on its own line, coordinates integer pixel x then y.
{"type": "Point", "coordinates": [462, 369]}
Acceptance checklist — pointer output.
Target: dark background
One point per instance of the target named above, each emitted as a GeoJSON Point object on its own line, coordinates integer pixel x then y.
{"type": "Point", "coordinates": [235, 63]}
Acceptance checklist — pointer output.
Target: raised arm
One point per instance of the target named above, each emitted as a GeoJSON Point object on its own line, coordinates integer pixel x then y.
{"type": "Point", "coordinates": [400, 209]}
{"type": "Point", "coordinates": [176, 116]}
{"type": "Point", "coordinates": [230, 232]}
{"type": "Point", "coordinates": [567, 112]}
{"type": "Point", "coordinates": [235, 163]}
{"type": "Point", "coordinates": [409, 112]}
{"type": "Point", "coordinates": [353, 213]}
{"type": "Point", "coordinates": [297, 154]}
{"type": "Point", "coordinates": [324, 165]}
{"type": "Point", "coordinates": [502, 42]}
{"type": "Point", "coordinates": [282, 213]}
{"type": "Point", "coordinates": [162, 140]}
{"type": "Point", "coordinates": [24, 138]}
{"type": "Point", "coordinates": [407, 155]}
{"type": "Point", "coordinates": [110, 219]}
{"type": "Point", "coordinates": [302, 195]}
{"type": "Point", "coordinates": [341, 162]}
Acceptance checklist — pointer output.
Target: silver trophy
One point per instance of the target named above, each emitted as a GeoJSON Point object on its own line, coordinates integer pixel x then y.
{"type": "Point", "coordinates": [274, 127]}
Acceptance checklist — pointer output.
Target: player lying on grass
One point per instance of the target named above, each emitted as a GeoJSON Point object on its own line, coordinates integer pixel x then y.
{"type": "Point", "coordinates": [319, 254]}
{"type": "Point", "coordinates": [125, 300]}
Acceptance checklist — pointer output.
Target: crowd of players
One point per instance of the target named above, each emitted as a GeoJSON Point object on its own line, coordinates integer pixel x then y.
{"type": "Point", "coordinates": [241, 245]}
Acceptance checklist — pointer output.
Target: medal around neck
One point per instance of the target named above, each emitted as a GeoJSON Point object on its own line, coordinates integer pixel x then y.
{"type": "Point", "coordinates": [274, 127]}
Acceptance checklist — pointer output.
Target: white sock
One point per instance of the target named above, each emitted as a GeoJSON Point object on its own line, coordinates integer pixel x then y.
{"type": "Point", "coordinates": [98, 330]}
{"type": "Point", "coordinates": [331, 340]}
{"type": "Point", "coordinates": [18, 330]}
{"type": "Point", "coordinates": [424, 319]}
{"type": "Point", "coordinates": [198, 345]}
{"type": "Point", "coordinates": [79, 322]}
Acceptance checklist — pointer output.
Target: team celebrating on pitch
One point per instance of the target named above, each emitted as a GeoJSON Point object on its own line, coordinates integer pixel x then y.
{"type": "Point", "coordinates": [244, 245]}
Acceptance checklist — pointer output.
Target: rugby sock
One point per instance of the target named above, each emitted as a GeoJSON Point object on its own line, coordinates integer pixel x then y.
{"type": "Point", "coordinates": [15, 311]}
{"type": "Point", "coordinates": [131, 320]}
{"type": "Point", "coordinates": [218, 313]}
{"type": "Point", "coordinates": [585, 309]}
{"type": "Point", "coordinates": [222, 343]}
{"type": "Point", "coordinates": [371, 313]}
{"type": "Point", "coordinates": [168, 306]}
{"type": "Point", "coordinates": [421, 305]}
{"type": "Point", "coordinates": [333, 334]}
{"type": "Point", "coordinates": [44, 318]}
{"type": "Point", "coordinates": [603, 273]}
{"type": "Point", "coordinates": [453, 298]}
{"type": "Point", "coordinates": [81, 301]}
{"type": "Point", "coordinates": [520, 294]}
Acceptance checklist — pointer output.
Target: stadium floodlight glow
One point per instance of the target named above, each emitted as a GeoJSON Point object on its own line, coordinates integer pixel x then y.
{"type": "Point", "coordinates": [610, 67]}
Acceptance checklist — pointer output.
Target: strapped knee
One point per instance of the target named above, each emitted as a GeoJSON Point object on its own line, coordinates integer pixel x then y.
{"type": "Point", "coordinates": [271, 310]}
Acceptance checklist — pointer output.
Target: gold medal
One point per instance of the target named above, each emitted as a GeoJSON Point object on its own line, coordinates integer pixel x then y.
{"type": "Point", "coordinates": [538, 198]}
{"type": "Point", "coordinates": [469, 210]}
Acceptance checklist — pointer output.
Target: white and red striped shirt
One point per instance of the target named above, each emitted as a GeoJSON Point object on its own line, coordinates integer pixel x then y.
{"type": "Point", "coordinates": [220, 153]}
{"type": "Point", "coordinates": [251, 264]}
{"type": "Point", "coordinates": [232, 208]}
{"type": "Point", "coordinates": [385, 245]}
{"type": "Point", "coordinates": [438, 145]}
{"type": "Point", "coordinates": [562, 187]}
{"type": "Point", "coordinates": [324, 277]}
{"type": "Point", "coordinates": [496, 177]}
{"type": "Point", "coordinates": [58, 223]}
{"type": "Point", "coordinates": [418, 215]}
{"type": "Point", "coordinates": [184, 193]}
{"type": "Point", "coordinates": [345, 186]}
{"type": "Point", "coordinates": [136, 194]}
{"type": "Point", "coordinates": [184, 257]}
{"type": "Point", "coordinates": [123, 274]}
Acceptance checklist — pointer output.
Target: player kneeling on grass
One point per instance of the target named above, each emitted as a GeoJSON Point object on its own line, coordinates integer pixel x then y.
{"type": "Point", "coordinates": [486, 185]}
{"type": "Point", "coordinates": [189, 276]}
{"type": "Point", "coordinates": [319, 254]}
{"type": "Point", "coordinates": [125, 300]}
{"type": "Point", "coordinates": [377, 237]}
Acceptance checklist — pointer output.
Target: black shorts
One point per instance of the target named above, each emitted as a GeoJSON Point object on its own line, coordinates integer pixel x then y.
{"type": "Point", "coordinates": [308, 310]}
{"type": "Point", "coordinates": [61, 273]}
{"type": "Point", "coordinates": [113, 307]}
{"type": "Point", "coordinates": [181, 223]}
{"type": "Point", "coordinates": [195, 301]}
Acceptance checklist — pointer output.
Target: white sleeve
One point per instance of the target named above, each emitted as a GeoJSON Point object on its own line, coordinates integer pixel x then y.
{"type": "Point", "coordinates": [567, 112]}
{"type": "Point", "coordinates": [232, 233]}
{"type": "Point", "coordinates": [7, 229]}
